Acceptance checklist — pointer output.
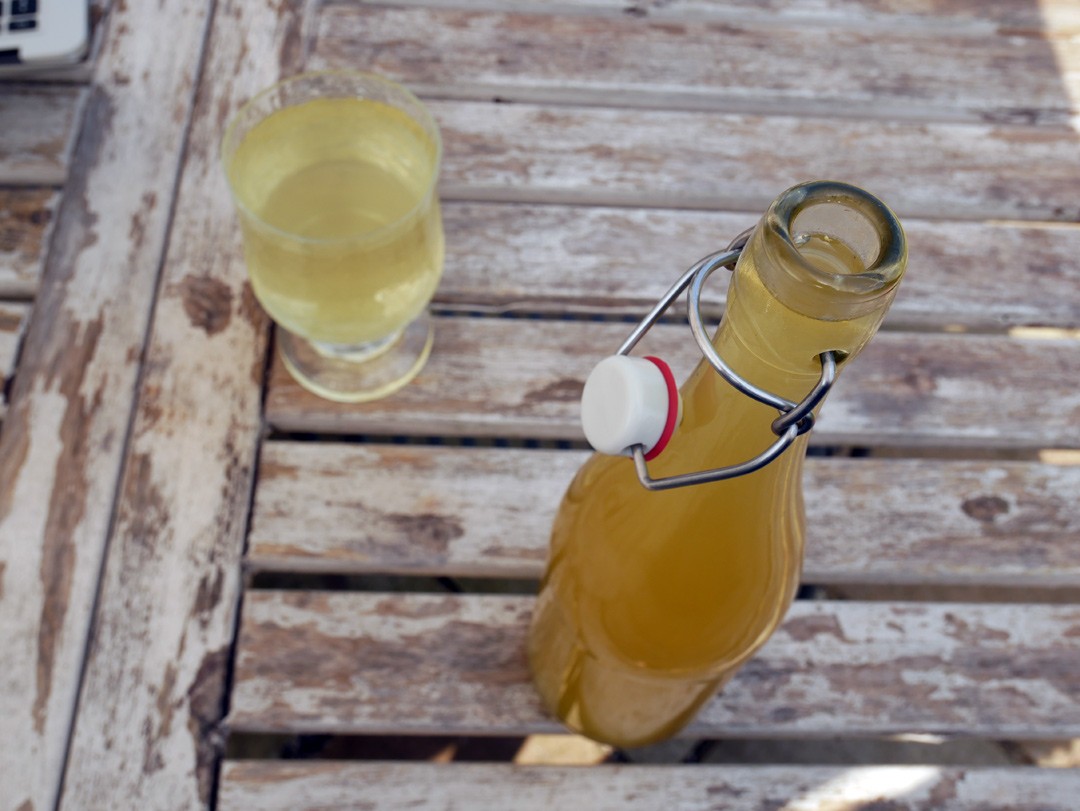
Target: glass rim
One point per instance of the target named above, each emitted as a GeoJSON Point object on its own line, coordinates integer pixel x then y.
{"type": "Point", "coordinates": [425, 119]}
{"type": "Point", "coordinates": [889, 264]}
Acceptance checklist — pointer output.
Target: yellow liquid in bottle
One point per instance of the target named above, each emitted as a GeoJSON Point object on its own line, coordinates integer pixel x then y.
{"type": "Point", "coordinates": [651, 601]}
{"type": "Point", "coordinates": [346, 243]}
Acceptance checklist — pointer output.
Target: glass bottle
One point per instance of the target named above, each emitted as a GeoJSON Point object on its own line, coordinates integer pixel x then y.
{"type": "Point", "coordinates": [652, 600]}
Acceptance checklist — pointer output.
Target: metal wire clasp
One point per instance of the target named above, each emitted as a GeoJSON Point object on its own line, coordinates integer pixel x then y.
{"type": "Point", "coordinates": [794, 420]}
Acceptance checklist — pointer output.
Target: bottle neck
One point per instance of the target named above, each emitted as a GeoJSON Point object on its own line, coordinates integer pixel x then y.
{"type": "Point", "coordinates": [791, 298]}
{"type": "Point", "coordinates": [818, 274]}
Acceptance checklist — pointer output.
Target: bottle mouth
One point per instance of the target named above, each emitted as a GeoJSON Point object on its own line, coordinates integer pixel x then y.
{"type": "Point", "coordinates": [834, 249]}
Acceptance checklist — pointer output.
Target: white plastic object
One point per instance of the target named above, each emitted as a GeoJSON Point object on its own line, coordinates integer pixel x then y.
{"type": "Point", "coordinates": [54, 33]}
{"type": "Point", "coordinates": [626, 402]}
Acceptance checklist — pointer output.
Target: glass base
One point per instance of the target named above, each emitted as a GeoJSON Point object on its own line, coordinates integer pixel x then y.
{"type": "Point", "coordinates": [357, 373]}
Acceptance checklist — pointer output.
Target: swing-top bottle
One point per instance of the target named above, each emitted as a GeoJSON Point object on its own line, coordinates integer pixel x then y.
{"type": "Point", "coordinates": [669, 569]}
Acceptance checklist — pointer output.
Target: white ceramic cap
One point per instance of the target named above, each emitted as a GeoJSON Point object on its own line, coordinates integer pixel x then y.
{"type": "Point", "coordinates": [626, 402]}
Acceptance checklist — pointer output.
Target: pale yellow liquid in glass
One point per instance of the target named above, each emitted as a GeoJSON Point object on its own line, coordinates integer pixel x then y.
{"type": "Point", "coordinates": [342, 231]}
{"type": "Point", "coordinates": [651, 601]}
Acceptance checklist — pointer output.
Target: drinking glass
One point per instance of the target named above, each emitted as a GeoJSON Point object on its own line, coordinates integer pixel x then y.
{"type": "Point", "coordinates": [334, 178]}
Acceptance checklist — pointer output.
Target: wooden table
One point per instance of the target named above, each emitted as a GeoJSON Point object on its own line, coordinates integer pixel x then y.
{"type": "Point", "coordinates": [194, 552]}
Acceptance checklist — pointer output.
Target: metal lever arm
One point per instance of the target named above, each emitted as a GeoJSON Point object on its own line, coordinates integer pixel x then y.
{"type": "Point", "coordinates": [789, 426]}
{"type": "Point", "coordinates": [721, 259]}
{"type": "Point", "coordinates": [795, 418]}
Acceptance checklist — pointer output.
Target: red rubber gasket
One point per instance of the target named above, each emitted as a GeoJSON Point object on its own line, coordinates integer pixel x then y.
{"type": "Point", "coordinates": [672, 408]}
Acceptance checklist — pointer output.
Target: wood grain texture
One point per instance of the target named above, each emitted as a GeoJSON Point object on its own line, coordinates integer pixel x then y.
{"type": "Point", "coordinates": [147, 734]}
{"type": "Point", "coordinates": [504, 258]}
{"type": "Point", "coordinates": [26, 218]}
{"type": "Point", "coordinates": [673, 159]}
{"type": "Point", "coordinates": [455, 664]}
{"type": "Point", "coordinates": [523, 378]}
{"type": "Point", "coordinates": [60, 450]}
{"type": "Point", "coordinates": [38, 125]}
{"type": "Point", "coordinates": [440, 510]}
{"type": "Point", "coordinates": [759, 67]}
{"type": "Point", "coordinates": [12, 324]}
{"type": "Point", "coordinates": [313, 786]}
{"type": "Point", "coordinates": [931, 16]}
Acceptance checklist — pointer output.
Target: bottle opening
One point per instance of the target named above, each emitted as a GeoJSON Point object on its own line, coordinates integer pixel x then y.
{"type": "Point", "coordinates": [834, 249]}
{"type": "Point", "coordinates": [835, 236]}
{"type": "Point", "coordinates": [829, 254]}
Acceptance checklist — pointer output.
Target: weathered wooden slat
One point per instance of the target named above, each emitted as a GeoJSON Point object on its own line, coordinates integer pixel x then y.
{"type": "Point", "coordinates": [26, 217]}
{"type": "Point", "coordinates": [548, 258]}
{"type": "Point", "coordinates": [533, 153]}
{"type": "Point", "coordinates": [388, 508]}
{"type": "Point", "coordinates": [455, 664]}
{"type": "Point", "coordinates": [12, 323]}
{"type": "Point", "coordinates": [155, 675]}
{"type": "Point", "coordinates": [523, 377]}
{"type": "Point", "coordinates": [757, 67]}
{"type": "Point", "coordinates": [1020, 16]}
{"type": "Point", "coordinates": [440, 510]}
{"type": "Point", "coordinates": [539, 258]}
{"type": "Point", "coordinates": [38, 125]}
{"type": "Point", "coordinates": [314, 785]}
{"type": "Point", "coordinates": [60, 450]}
